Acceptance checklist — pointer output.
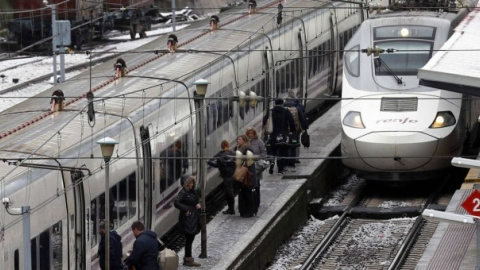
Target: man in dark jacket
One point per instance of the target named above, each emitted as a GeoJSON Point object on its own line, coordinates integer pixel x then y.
{"type": "Point", "coordinates": [225, 163]}
{"type": "Point", "coordinates": [294, 151]}
{"type": "Point", "coordinates": [145, 249]}
{"type": "Point", "coordinates": [283, 122]}
{"type": "Point", "coordinates": [115, 248]}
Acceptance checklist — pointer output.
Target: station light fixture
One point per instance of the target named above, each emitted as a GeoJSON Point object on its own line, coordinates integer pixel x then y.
{"type": "Point", "coordinates": [434, 215]}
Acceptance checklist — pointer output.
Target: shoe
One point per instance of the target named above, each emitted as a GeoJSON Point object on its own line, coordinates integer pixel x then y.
{"type": "Point", "coordinates": [229, 212]}
{"type": "Point", "coordinates": [189, 261]}
{"type": "Point", "coordinates": [282, 173]}
{"type": "Point", "coordinates": [270, 171]}
{"type": "Point", "coordinates": [297, 161]}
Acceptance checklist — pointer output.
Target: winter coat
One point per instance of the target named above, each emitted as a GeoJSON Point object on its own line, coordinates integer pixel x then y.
{"type": "Point", "coordinates": [282, 121]}
{"type": "Point", "coordinates": [115, 251]}
{"type": "Point", "coordinates": [186, 202]}
{"type": "Point", "coordinates": [145, 252]}
{"type": "Point", "coordinates": [258, 148]}
{"type": "Point", "coordinates": [225, 162]}
{"type": "Point", "coordinates": [301, 114]}
{"type": "Point", "coordinates": [251, 168]}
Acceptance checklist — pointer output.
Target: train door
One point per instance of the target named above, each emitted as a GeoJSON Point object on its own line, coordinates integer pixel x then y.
{"type": "Point", "coordinates": [333, 55]}
{"type": "Point", "coordinates": [78, 224]}
{"type": "Point", "coordinates": [148, 183]}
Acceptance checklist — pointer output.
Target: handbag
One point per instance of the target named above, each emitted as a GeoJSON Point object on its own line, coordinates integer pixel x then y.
{"type": "Point", "coordinates": [293, 139]}
{"type": "Point", "coordinates": [167, 259]}
{"type": "Point", "coordinates": [281, 139]}
{"type": "Point", "coordinates": [305, 139]}
{"type": "Point", "coordinates": [247, 181]}
{"type": "Point", "coordinates": [268, 128]}
{"type": "Point", "coordinates": [240, 173]}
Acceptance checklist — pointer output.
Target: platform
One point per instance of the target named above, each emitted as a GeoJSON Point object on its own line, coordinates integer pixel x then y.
{"type": "Point", "coordinates": [453, 246]}
{"type": "Point", "coordinates": [234, 242]}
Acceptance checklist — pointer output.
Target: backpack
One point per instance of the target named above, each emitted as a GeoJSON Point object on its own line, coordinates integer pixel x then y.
{"type": "Point", "coordinates": [296, 118]}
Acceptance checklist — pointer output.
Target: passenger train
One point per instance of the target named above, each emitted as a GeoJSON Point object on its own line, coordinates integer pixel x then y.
{"type": "Point", "coordinates": [394, 129]}
{"type": "Point", "coordinates": [53, 164]}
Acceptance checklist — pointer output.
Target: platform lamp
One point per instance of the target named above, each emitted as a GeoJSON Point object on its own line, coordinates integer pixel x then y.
{"type": "Point", "coordinates": [199, 98]}
{"type": "Point", "coordinates": [107, 145]}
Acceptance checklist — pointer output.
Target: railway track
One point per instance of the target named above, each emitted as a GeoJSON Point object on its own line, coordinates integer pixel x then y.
{"type": "Point", "coordinates": [373, 229]}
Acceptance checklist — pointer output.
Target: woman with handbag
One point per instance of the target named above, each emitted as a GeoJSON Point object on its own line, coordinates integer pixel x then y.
{"type": "Point", "coordinates": [188, 202]}
{"type": "Point", "coordinates": [246, 199]}
{"type": "Point", "coordinates": [258, 148]}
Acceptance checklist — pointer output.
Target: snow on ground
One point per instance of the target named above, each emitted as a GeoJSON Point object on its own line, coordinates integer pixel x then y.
{"type": "Point", "coordinates": [40, 65]}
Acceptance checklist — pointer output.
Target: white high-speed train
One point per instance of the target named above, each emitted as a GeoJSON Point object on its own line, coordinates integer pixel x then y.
{"type": "Point", "coordinates": [53, 164]}
{"type": "Point", "coordinates": [393, 129]}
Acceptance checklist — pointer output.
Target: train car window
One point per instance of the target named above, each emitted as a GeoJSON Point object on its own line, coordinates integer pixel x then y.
{"type": "Point", "coordinates": [352, 61]}
{"type": "Point", "coordinates": [320, 56]}
{"type": "Point", "coordinates": [327, 55]}
{"type": "Point", "coordinates": [283, 76]}
{"type": "Point", "coordinates": [260, 88]}
{"type": "Point", "coordinates": [278, 84]}
{"type": "Point", "coordinates": [411, 56]}
{"type": "Point", "coordinates": [404, 32]}
{"type": "Point", "coordinates": [317, 52]}
{"type": "Point", "coordinates": [174, 163]}
{"type": "Point", "coordinates": [288, 81]}
{"type": "Point", "coordinates": [123, 205]}
{"type": "Point", "coordinates": [46, 248]}
{"type": "Point", "coordinates": [213, 113]}
{"type": "Point", "coordinates": [225, 109]}
{"type": "Point", "coordinates": [311, 55]}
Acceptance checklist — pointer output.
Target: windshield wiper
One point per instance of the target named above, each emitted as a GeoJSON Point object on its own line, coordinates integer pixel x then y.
{"type": "Point", "coordinates": [379, 64]}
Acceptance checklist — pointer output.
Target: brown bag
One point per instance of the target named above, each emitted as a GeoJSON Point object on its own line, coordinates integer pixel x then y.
{"type": "Point", "coordinates": [247, 181]}
{"type": "Point", "coordinates": [240, 173]}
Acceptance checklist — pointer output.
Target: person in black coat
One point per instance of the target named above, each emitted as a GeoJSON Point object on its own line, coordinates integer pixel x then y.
{"type": "Point", "coordinates": [145, 248]}
{"type": "Point", "coordinates": [294, 151]}
{"type": "Point", "coordinates": [115, 248]}
{"type": "Point", "coordinates": [188, 202]}
{"type": "Point", "coordinates": [247, 205]}
{"type": "Point", "coordinates": [224, 161]}
{"type": "Point", "coordinates": [283, 123]}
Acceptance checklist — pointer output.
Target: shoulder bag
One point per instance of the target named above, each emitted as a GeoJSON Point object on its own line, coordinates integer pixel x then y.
{"type": "Point", "coordinates": [240, 173]}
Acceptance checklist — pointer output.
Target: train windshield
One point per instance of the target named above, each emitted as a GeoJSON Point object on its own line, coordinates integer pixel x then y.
{"type": "Point", "coordinates": [413, 47]}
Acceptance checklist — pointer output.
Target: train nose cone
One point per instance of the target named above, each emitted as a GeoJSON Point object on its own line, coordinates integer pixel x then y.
{"type": "Point", "coordinates": [396, 151]}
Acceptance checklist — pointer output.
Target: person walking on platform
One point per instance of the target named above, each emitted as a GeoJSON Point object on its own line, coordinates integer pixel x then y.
{"type": "Point", "coordinates": [145, 248]}
{"type": "Point", "coordinates": [115, 247]}
{"type": "Point", "coordinates": [224, 161]}
{"type": "Point", "coordinates": [258, 148]}
{"type": "Point", "coordinates": [246, 199]}
{"type": "Point", "coordinates": [282, 122]}
{"type": "Point", "coordinates": [301, 123]}
{"type": "Point", "coordinates": [188, 202]}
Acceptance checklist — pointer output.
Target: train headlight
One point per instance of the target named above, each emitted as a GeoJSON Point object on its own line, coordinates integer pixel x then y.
{"type": "Point", "coordinates": [443, 119]}
{"type": "Point", "coordinates": [353, 119]}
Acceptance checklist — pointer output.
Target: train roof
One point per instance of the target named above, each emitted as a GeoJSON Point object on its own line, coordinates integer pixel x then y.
{"type": "Point", "coordinates": [455, 67]}
{"type": "Point", "coordinates": [30, 126]}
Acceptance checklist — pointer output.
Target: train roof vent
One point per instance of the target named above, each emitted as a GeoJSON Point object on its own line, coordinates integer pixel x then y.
{"type": "Point", "coordinates": [399, 104]}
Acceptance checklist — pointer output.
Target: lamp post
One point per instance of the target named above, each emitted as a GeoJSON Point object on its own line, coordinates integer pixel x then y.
{"type": "Point", "coordinates": [107, 146]}
{"type": "Point", "coordinates": [54, 39]}
{"type": "Point", "coordinates": [199, 97]}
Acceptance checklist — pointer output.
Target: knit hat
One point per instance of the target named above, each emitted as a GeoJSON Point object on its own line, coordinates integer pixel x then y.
{"type": "Point", "coordinates": [278, 101]}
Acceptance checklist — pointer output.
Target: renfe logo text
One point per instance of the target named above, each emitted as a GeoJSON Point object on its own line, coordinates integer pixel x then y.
{"type": "Point", "coordinates": [399, 121]}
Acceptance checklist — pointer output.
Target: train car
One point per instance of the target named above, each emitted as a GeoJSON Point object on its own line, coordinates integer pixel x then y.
{"type": "Point", "coordinates": [32, 19]}
{"type": "Point", "coordinates": [53, 165]}
{"type": "Point", "coordinates": [393, 129]}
